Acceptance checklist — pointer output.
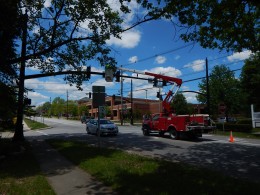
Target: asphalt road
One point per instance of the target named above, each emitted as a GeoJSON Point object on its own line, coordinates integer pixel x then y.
{"type": "Point", "coordinates": [239, 159]}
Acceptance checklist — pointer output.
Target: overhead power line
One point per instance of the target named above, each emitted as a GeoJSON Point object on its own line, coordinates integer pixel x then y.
{"type": "Point", "coordinates": [158, 54]}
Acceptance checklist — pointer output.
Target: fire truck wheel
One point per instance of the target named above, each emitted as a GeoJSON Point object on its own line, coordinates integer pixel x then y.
{"type": "Point", "coordinates": [174, 134]}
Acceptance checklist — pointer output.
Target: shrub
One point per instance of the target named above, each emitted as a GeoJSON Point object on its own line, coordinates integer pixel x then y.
{"type": "Point", "coordinates": [235, 127]}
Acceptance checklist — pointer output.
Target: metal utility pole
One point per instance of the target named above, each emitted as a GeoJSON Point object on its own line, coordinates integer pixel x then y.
{"type": "Point", "coordinates": [121, 116]}
{"type": "Point", "coordinates": [18, 134]}
{"type": "Point", "coordinates": [132, 122]}
{"type": "Point", "coordinates": [207, 80]}
{"type": "Point", "coordinates": [67, 105]}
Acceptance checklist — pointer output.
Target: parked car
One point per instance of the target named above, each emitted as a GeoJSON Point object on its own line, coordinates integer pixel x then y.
{"type": "Point", "coordinates": [107, 127]}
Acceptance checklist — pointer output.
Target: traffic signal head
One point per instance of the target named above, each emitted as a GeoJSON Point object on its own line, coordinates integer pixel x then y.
{"type": "Point", "coordinates": [155, 82]}
{"type": "Point", "coordinates": [164, 83]}
{"type": "Point", "coordinates": [88, 72]}
{"type": "Point", "coordinates": [27, 101]}
{"type": "Point", "coordinates": [117, 75]}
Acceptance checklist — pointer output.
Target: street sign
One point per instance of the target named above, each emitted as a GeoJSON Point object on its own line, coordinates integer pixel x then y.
{"type": "Point", "coordinates": [102, 111]}
{"type": "Point", "coordinates": [98, 96]}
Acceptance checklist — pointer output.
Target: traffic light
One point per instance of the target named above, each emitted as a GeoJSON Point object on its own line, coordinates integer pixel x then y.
{"type": "Point", "coordinates": [89, 95]}
{"type": "Point", "coordinates": [88, 72]}
{"type": "Point", "coordinates": [164, 83]}
{"type": "Point", "coordinates": [27, 101]}
{"type": "Point", "coordinates": [109, 74]}
{"type": "Point", "coordinates": [155, 82]}
{"type": "Point", "coordinates": [117, 75]}
{"type": "Point", "coordinates": [158, 95]}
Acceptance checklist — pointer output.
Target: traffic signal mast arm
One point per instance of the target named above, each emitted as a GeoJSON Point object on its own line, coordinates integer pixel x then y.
{"type": "Point", "coordinates": [176, 82]}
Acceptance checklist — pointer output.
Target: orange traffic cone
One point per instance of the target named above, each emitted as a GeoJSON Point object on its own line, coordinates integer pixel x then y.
{"type": "Point", "coordinates": [231, 138]}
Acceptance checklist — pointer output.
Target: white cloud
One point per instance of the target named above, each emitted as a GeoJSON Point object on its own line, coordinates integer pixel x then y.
{"type": "Point", "coordinates": [177, 57]}
{"type": "Point", "coordinates": [239, 56]}
{"type": "Point", "coordinates": [133, 59]}
{"type": "Point", "coordinates": [129, 39]}
{"type": "Point", "coordinates": [36, 97]}
{"type": "Point", "coordinates": [196, 65]}
{"type": "Point", "coordinates": [169, 71]}
{"type": "Point", "coordinates": [47, 3]}
{"type": "Point", "coordinates": [190, 96]}
{"type": "Point", "coordinates": [160, 59]}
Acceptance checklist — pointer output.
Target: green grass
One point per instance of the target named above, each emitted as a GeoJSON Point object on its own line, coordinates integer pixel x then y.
{"type": "Point", "coordinates": [134, 174]}
{"type": "Point", "coordinates": [19, 170]}
{"type": "Point", "coordinates": [240, 134]}
{"type": "Point", "coordinates": [34, 124]}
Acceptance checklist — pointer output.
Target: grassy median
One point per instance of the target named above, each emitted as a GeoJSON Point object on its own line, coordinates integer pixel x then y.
{"type": "Point", "coordinates": [134, 174]}
{"type": "Point", "coordinates": [34, 124]}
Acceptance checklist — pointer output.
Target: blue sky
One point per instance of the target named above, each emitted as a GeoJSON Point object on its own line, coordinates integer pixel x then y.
{"type": "Point", "coordinates": [153, 47]}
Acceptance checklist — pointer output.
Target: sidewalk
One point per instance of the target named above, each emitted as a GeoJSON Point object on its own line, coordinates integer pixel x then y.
{"type": "Point", "coordinates": [64, 177]}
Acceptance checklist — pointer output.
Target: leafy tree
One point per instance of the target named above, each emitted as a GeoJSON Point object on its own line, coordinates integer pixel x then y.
{"type": "Point", "coordinates": [58, 106]}
{"type": "Point", "coordinates": [72, 108]}
{"type": "Point", "coordinates": [226, 24]}
{"type": "Point", "coordinates": [250, 81]}
{"type": "Point", "coordinates": [83, 110]}
{"type": "Point", "coordinates": [180, 105]}
{"type": "Point", "coordinates": [9, 30]}
{"type": "Point", "coordinates": [223, 88]}
{"type": "Point", "coordinates": [45, 108]}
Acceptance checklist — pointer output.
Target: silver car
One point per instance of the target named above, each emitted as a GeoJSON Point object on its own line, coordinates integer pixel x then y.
{"type": "Point", "coordinates": [107, 127]}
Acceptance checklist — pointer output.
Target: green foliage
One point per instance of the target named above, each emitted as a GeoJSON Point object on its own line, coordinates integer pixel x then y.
{"type": "Point", "coordinates": [246, 128]}
{"type": "Point", "coordinates": [250, 81]}
{"type": "Point", "coordinates": [34, 124]}
{"type": "Point", "coordinates": [9, 30]}
{"type": "Point", "coordinates": [82, 110]}
{"type": "Point", "coordinates": [58, 106]}
{"type": "Point", "coordinates": [180, 105]}
{"type": "Point", "coordinates": [226, 25]}
{"type": "Point", "coordinates": [223, 88]}
{"type": "Point", "coordinates": [8, 101]}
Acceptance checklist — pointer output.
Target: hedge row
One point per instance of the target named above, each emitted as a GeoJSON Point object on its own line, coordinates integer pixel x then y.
{"type": "Point", "coordinates": [235, 127]}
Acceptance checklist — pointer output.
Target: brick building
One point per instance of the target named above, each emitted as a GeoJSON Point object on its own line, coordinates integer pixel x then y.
{"type": "Point", "coordinates": [143, 106]}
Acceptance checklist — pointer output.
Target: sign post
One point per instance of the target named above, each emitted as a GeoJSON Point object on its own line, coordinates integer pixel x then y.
{"type": "Point", "coordinates": [222, 109]}
{"type": "Point", "coordinates": [98, 101]}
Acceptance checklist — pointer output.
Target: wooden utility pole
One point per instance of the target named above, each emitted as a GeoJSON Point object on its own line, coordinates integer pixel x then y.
{"type": "Point", "coordinates": [207, 80]}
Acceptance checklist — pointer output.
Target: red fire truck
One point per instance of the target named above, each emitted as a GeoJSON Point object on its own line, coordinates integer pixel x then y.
{"type": "Point", "coordinates": [167, 121]}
